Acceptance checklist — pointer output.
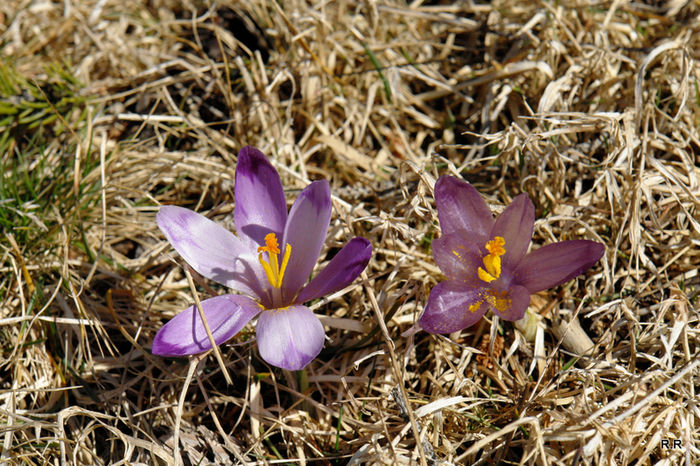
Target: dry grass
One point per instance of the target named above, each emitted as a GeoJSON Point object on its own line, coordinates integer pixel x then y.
{"type": "Point", "coordinates": [592, 108]}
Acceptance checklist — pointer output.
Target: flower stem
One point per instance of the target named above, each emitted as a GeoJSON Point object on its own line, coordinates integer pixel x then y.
{"type": "Point", "coordinates": [303, 382]}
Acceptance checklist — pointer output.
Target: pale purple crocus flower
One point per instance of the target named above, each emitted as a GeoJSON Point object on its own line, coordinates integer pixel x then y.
{"type": "Point", "coordinates": [269, 262]}
{"type": "Point", "coordinates": [485, 259]}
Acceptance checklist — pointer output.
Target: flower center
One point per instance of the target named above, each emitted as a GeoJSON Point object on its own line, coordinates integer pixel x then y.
{"type": "Point", "coordinates": [492, 262]}
{"type": "Point", "coordinates": [272, 268]}
{"type": "Point", "coordinates": [492, 266]}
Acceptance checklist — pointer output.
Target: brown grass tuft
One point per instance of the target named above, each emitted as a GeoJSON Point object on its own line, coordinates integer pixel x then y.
{"type": "Point", "coordinates": [592, 108]}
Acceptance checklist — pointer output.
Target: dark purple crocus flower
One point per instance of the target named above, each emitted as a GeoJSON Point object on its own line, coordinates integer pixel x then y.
{"type": "Point", "coordinates": [269, 262]}
{"type": "Point", "coordinates": [485, 259]}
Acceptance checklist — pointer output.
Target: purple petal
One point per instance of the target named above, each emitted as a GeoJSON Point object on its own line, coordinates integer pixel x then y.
{"type": "Point", "coordinates": [210, 249]}
{"type": "Point", "coordinates": [513, 307]}
{"type": "Point", "coordinates": [460, 207]}
{"type": "Point", "coordinates": [457, 256]}
{"type": "Point", "coordinates": [306, 232]}
{"type": "Point", "coordinates": [289, 338]}
{"type": "Point", "coordinates": [345, 266]}
{"type": "Point", "coordinates": [515, 225]}
{"type": "Point", "coordinates": [185, 334]}
{"type": "Point", "coordinates": [557, 263]}
{"type": "Point", "coordinates": [447, 309]}
{"type": "Point", "coordinates": [260, 206]}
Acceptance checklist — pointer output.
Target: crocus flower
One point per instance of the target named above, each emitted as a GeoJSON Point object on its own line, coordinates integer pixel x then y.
{"type": "Point", "coordinates": [485, 259]}
{"type": "Point", "coordinates": [269, 262]}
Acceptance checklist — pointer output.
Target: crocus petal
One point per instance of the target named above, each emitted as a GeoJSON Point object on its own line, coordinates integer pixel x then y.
{"type": "Point", "coordinates": [211, 249]}
{"type": "Point", "coordinates": [345, 266]}
{"type": "Point", "coordinates": [185, 334]}
{"type": "Point", "coordinates": [517, 299]}
{"type": "Point", "coordinates": [515, 225]}
{"type": "Point", "coordinates": [556, 263]}
{"type": "Point", "coordinates": [260, 206]}
{"type": "Point", "coordinates": [457, 256]}
{"type": "Point", "coordinates": [460, 207]}
{"type": "Point", "coordinates": [447, 309]}
{"type": "Point", "coordinates": [306, 232]}
{"type": "Point", "coordinates": [289, 338]}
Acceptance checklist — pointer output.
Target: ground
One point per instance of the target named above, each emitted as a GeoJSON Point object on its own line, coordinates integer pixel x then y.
{"type": "Point", "coordinates": [110, 109]}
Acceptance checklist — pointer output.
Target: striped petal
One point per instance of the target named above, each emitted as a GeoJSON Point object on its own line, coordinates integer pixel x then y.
{"type": "Point", "coordinates": [461, 207]}
{"type": "Point", "coordinates": [515, 225]}
{"type": "Point", "coordinates": [448, 306]}
{"type": "Point", "coordinates": [290, 338]}
{"type": "Point", "coordinates": [211, 249]}
{"type": "Point", "coordinates": [185, 333]}
{"type": "Point", "coordinates": [306, 232]}
{"type": "Point", "coordinates": [345, 267]}
{"type": "Point", "coordinates": [457, 256]}
{"type": "Point", "coordinates": [260, 205]}
{"type": "Point", "coordinates": [557, 263]}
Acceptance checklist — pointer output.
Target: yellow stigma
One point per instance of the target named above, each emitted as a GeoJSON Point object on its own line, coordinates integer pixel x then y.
{"type": "Point", "coordinates": [492, 261]}
{"type": "Point", "coordinates": [271, 244]}
{"type": "Point", "coordinates": [495, 246]}
{"type": "Point", "coordinates": [274, 272]}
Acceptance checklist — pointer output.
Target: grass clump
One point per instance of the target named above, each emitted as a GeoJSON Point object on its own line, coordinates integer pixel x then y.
{"type": "Point", "coordinates": [589, 108]}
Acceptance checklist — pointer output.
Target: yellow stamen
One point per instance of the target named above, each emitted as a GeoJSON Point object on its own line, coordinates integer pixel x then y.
{"type": "Point", "coordinates": [274, 273]}
{"type": "Point", "coordinates": [492, 261]}
{"type": "Point", "coordinates": [492, 264]}
{"type": "Point", "coordinates": [268, 270]}
{"type": "Point", "coordinates": [485, 276]}
{"type": "Point", "coordinates": [285, 261]}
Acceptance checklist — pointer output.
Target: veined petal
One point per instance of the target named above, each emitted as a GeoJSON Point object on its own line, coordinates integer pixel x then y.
{"type": "Point", "coordinates": [210, 249]}
{"type": "Point", "coordinates": [448, 306]}
{"type": "Point", "coordinates": [512, 304]}
{"type": "Point", "coordinates": [515, 225]}
{"type": "Point", "coordinates": [461, 207]}
{"type": "Point", "coordinates": [457, 256]}
{"type": "Point", "coordinates": [185, 334]}
{"type": "Point", "coordinates": [345, 266]}
{"type": "Point", "coordinates": [556, 263]}
{"type": "Point", "coordinates": [260, 206]}
{"type": "Point", "coordinates": [289, 338]}
{"type": "Point", "coordinates": [306, 232]}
